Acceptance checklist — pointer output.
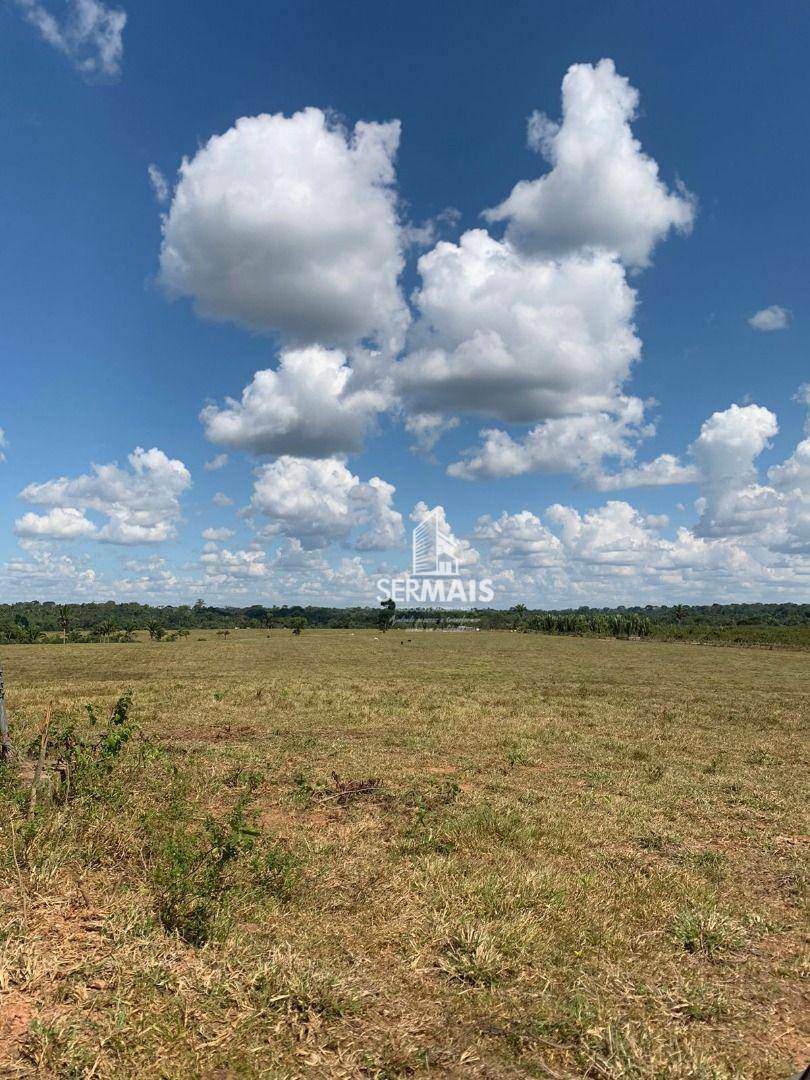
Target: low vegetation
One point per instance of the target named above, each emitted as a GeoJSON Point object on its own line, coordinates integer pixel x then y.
{"type": "Point", "coordinates": [346, 854]}
{"type": "Point", "coordinates": [738, 624]}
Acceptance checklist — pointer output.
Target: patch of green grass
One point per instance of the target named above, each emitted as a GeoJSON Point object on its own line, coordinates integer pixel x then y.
{"type": "Point", "coordinates": [707, 932]}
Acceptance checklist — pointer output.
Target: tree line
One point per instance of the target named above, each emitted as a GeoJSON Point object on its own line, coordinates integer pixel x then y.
{"type": "Point", "coordinates": [31, 621]}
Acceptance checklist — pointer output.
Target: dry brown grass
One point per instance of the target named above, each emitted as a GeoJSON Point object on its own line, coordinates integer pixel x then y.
{"type": "Point", "coordinates": [584, 858]}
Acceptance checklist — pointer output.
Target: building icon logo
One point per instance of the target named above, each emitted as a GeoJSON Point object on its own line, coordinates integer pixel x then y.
{"type": "Point", "coordinates": [441, 571]}
{"type": "Point", "coordinates": [434, 552]}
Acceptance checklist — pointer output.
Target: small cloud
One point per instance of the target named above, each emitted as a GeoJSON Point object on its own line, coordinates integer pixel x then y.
{"type": "Point", "coordinates": [89, 34]}
{"type": "Point", "coordinates": [219, 462]}
{"type": "Point", "coordinates": [426, 234]}
{"type": "Point", "coordinates": [770, 318]}
{"type": "Point", "coordinates": [2, 444]}
{"type": "Point", "coordinates": [160, 184]}
{"type": "Point", "coordinates": [217, 534]}
{"type": "Point", "coordinates": [427, 429]}
{"type": "Point", "coordinates": [221, 499]}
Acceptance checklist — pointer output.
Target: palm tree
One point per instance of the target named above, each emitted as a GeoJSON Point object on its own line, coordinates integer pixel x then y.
{"type": "Point", "coordinates": [63, 615]}
{"type": "Point", "coordinates": [519, 610]}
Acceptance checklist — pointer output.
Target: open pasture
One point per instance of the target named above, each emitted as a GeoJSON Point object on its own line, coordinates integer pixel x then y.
{"type": "Point", "coordinates": [359, 855]}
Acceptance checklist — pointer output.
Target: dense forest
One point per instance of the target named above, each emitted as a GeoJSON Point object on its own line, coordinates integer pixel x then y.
{"type": "Point", "coordinates": [31, 622]}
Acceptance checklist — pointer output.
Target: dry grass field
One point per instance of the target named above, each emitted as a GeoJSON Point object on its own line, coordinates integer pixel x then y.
{"type": "Point", "coordinates": [484, 855]}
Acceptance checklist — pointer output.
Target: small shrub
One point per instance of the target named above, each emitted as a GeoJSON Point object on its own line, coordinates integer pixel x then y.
{"type": "Point", "coordinates": [196, 870]}
{"type": "Point", "coordinates": [706, 931]}
{"type": "Point", "coordinates": [83, 762]}
{"type": "Point", "coordinates": [190, 873]}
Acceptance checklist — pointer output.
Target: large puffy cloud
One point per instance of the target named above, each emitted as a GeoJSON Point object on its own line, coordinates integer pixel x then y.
{"type": "Point", "coordinates": [602, 190]}
{"type": "Point", "coordinates": [61, 523]}
{"type": "Point", "coordinates": [142, 503]}
{"type": "Point", "coordinates": [89, 33]}
{"type": "Point", "coordinates": [732, 502]}
{"type": "Point", "coordinates": [311, 405]}
{"type": "Point", "coordinates": [290, 224]}
{"type": "Point", "coordinates": [567, 444]}
{"type": "Point", "coordinates": [520, 339]}
{"type": "Point", "coordinates": [539, 326]}
{"type": "Point", "coordinates": [320, 501]}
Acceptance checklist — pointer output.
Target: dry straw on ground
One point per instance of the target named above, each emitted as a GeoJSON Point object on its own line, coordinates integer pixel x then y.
{"type": "Point", "coordinates": [491, 855]}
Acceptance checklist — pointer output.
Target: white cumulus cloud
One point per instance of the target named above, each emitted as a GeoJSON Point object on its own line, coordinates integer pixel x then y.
{"type": "Point", "coordinates": [577, 444]}
{"type": "Point", "coordinates": [61, 523]}
{"type": "Point", "coordinates": [770, 318]}
{"type": "Point", "coordinates": [725, 452]}
{"type": "Point", "coordinates": [320, 501]}
{"type": "Point", "coordinates": [142, 503]}
{"type": "Point", "coordinates": [516, 338]}
{"type": "Point", "coordinates": [602, 189]}
{"type": "Point", "coordinates": [311, 405]}
{"type": "Point", "coordinates": [290, 224]}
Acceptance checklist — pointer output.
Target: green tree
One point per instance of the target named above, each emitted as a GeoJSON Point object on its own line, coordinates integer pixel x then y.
{"type": "Point", "coordinates": [297, 624]}
{"type": "Point", "coordinates": [63, 615]}
{"type": "Point", "coordinates": [385, 618]}
{"type": "Point", "coordinates": [519, 610]}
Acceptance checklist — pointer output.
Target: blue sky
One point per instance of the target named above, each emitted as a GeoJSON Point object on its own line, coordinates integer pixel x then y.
{"type": "Point", "coordinates": [599, 320]}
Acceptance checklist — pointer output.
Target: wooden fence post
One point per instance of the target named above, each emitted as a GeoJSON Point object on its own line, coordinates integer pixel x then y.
{"type": "Point", "coordinates": [5, 742]}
